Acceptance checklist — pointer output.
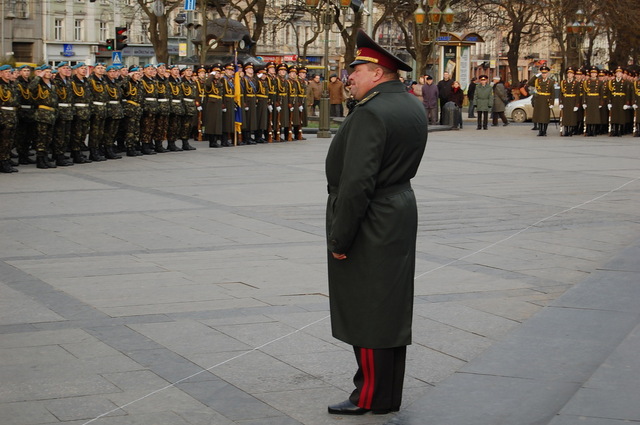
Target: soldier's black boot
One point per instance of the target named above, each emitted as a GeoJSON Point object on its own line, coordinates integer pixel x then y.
{"type": "Point", "coordinates": [186, 146]}
{"type": "Point", "coordinates": [535, 126]}
{"type": "Point", "coordinates": [5, 167]}
{"type": "Point", "coordinates": [61, 161]}
{"type": "Point", "coordinates": [146, 149]}
{"type": "Point", "coordinates": [78, 158]}
{"type": "Point", "coordinates": [23, 158]}
{"type": "Point", "coordinates": [171, 146]}
{"type": "Point", "coordinates": [159, 147]}
{"type": "Point", "coordinates": [637, 133]}
{"type": "Point", "coordinates": [94, 155]}
{"type": "Point", "coordinates": [540, 130]}
{"type": "Point", "coordinates": [110, 153]}
{"type": "Point", "coordinates": [212, 141]}
{"type": "Point", "coordinates": [131, 151]}
{"type": "Point", "coordinates": [42, 161]}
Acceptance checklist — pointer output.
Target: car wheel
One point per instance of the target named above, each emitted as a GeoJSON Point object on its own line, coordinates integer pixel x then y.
{"type": "Point", "coordinates": [519, 115]}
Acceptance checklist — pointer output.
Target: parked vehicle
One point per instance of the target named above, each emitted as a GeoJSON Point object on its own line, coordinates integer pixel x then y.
{"type": "Point", "coordinates": [522, 110]}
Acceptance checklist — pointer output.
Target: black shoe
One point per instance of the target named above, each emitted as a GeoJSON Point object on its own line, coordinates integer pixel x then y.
{"type": "Point", "coordinates": [132, 152]}
{"type": "Point", "coordinates": [61, 161]}
{"type": "Point", "coordinates": [94, 155]}
{"type": "Point", "coordinates": [494, 125]}
{"type": "Point", "coordinates": [78, 158]}
{"type": "Point", "coordinates": [213, 144]}
{"type": "Point", "coordinates": [109, 153]}
{"type": "Point", "coordinates": [159, 147]}
{"type": "Point", "coordinates": [505, 124]}
{"type": "Point", "coordinates": [146, 149]}
{"type": "Point", "coordinates": [346, 408]}
{"type": "Point", "coordinates": [5, 167]}
{"type": "Point", "coordinates": [25, 160]}
{"type": "Point", "coordinates": [171, 146]}
{"type": "Point", "coordinates": [186, 146]}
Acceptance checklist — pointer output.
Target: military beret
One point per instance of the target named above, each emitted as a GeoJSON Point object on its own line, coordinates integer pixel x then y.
{"type": "Point", "coordinates": [25, 66]}
{"type": "Point", "coordinates": [6, 68]}
{"type": "Point", "coordinates": [368, 51]}
{"type": "Point", "coordinates": [63, 63]}
{"type": "Point", "coordinates": [99, 64]}
{"type": "Point", "coordinates": [149, 65]}
{"type": "Point", "coordinates": [112, 68]}
{"type": "Point", "coordinates": [161, 64]}
{"type": "Point", "coordinates": [134, 68]}
{"type": "Point", "coordinates": [78, 65]}
{"type": "Point", "coordinates": [43, 67]}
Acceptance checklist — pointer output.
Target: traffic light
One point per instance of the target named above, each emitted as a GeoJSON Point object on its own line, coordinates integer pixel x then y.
{"type": "Point", "coordinates": [121, 38]}
{"type": "Point", "coordinates": [110, 44]}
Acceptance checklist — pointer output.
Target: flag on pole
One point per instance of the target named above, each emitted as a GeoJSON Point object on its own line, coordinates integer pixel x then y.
{"type": "Point", "coordinates": [237, 96]}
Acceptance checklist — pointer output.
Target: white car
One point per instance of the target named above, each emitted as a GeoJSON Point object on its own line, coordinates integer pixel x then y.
{"type": "Point", "coordinates": [522, 110]}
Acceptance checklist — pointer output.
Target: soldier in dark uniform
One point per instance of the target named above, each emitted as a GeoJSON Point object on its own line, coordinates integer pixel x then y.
{"type": "Point", "coordinates": [592, 102]}
{"type": "Point", "coordinates": [115, 113]}
{"type": "Point", "coordinates": [303, 84]}
{"type": "Point", "coordinates": [133, 96]}
{"type": "Point", "coordinates": [619, 94]}
{"type": "Point", "coordinates": [282, 103]}
{"type": "Point", "coordinates": [99, 100]}
{"type": "Point", "coordinates": [8, 117]}
{"type": "Point", "coordinates": [274, 116]}
{"type": "Point", "coordinates": [149, 109]}
{"type": "Point", "coordinates": [212, 113]}
{"type": "Point", "coordinates": [176, 117]}
{"type": "Point", "coordinates": [295, 103]}
{"type": "Point", "coordinates": [164, 107]}
{"type": "Point", "coordinates": [250, 117]}
{"type": "Point", "coordinates": [636, 104]}
{"type": "Point", "coordinates": [228, 105]}
{"type": "Point", "coordinates": [262, 106]}
{"type": "Point", "coordinates": [45, 101]}
{"type": "Point", "coordinates": [25, 130]}
{"type": "Point", "coordinates": [81, 100]}
{"type": "Point", "coordinates": [371, 230]}
{"type": "Point", "coordinates": [570, 101]}
{"type": "Point", "coordinates": [200, 78]}
{"type": "Point", "coordinates": [543, 101]}
{"type": "Point", "coordinates": [189, 93]}
{"type": "Point", "coordinates": [603, 128]}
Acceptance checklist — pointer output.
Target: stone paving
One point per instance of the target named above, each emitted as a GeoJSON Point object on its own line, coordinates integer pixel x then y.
{"type": "Point", "coordinates": [190, 288]}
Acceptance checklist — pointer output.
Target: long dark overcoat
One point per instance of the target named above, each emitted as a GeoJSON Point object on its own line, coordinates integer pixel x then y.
{"type": "Point", "coordinates": [372, 217]}
{"type": "Point", "coordinates": [543, 98]}
{"type": "Point", "coordinates": [570, 98]}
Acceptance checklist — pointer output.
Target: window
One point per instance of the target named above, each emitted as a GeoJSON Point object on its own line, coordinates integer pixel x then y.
{"type": "Point", "coordinates": [102, 31]}
{"type": "Point", "coordinates": [57, 29]}
{"type": "Point", "coordinates": [78, 30]}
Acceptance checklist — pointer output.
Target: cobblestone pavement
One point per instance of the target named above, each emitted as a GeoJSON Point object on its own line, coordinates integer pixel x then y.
{"type": "Point", "coordinates": [190, 288]}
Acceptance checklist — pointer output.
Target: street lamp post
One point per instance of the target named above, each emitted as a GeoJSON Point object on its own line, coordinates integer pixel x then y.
{"type": "Point", "coordinates": [576, 32]}
{"type": "Point", "coordinates": [326, 10]}
{"type": "Point", "coordinates": [435, 16]}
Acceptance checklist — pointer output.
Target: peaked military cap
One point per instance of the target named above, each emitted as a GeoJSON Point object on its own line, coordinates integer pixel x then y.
{"type": "Point", "coordinates": [230, 66]}
{"type": "Point", "coordinates": [247, 66]}
{"type": "Point", "coordinates": [481, 78]}
{"type": "Point", "coordinates": [594, 69]}
{"type": "Point", "coordinates": [370, 52]}
{"type": "Point", "coordinates": [544, 68]}
{"type": "Point", "coordinates": [619, 69]}
{"type": "Point", "coordinates": [271, 65]}
{"type": "Point", "coordinates": [302, 69]}
{"type": "Point", "coordinates": [293, 68]}
{"type": "Point", "coordinates": [570, 69]}
{"type": "Point", "coordinates": [282, 66]}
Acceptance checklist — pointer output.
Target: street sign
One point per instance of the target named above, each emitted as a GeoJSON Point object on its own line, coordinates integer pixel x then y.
{"type": "Point", "coordinates": [116, 58]}
{"type": "Point", "coordinates": [189, 4]}
{"type": "Point", "coordinates": [68, 50]}
{"type": "Point", "coordinates": [182, 49]}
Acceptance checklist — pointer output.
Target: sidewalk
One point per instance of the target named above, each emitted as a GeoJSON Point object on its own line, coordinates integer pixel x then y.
{"type": "Point", "coordinates": [190, 288]}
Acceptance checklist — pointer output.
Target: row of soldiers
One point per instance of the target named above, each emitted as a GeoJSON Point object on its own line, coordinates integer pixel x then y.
{"type": "Point", "coordinates": [592, 102]}
{"type": "Point", "coordinates": [135, 110]}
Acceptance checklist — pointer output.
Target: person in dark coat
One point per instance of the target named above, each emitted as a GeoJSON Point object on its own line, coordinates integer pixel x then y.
{"type": "Point", "coordinates": [371, 227]}
{"type": "Point", "coordinates": [471, 90]}
{"type": "Point", "coordinates": [570, 97]}
{"type": "Point", "coordinates": [500, 100]}
{"type": "Point", "coordinates": [430, 98]}
{"type": "Point", "coordinates": [457, 97]}
{"type": "Point", "coordinates": [444, 89]}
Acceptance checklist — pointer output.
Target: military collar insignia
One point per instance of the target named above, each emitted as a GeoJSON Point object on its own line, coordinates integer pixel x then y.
{"type": "Point", "coordinates": [368, 98]}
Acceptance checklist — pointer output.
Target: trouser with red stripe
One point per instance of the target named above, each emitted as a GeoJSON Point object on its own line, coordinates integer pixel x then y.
{"type": "Point", "coordinates": [379, 377]}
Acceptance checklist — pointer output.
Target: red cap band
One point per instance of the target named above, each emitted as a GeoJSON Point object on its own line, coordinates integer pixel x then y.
{"type": "Point", "coordinates": [374, 56]}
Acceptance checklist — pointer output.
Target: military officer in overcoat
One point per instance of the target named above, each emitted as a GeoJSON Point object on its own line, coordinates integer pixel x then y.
{"type": "Point", "coordinates": [212, 114]}
{"type": "Point", "coordinates": [593, 97]}
{"type": "Point", "coordinates": [636, 104]}
{"type": "Point", "coordinates": [262, 106]}
{"type": "Point", "coordinates": [371, 227]}
{"type": "Point", "coordinates": [282, 107]}
{"type": "Point", "coordinates": [228, 104]}
{"type": "Point", "coordinates": [619, 95]}
{"type": "Point", "coordinates": [543, 99]}
{"type": "Point", "coordinates": [570, 101]}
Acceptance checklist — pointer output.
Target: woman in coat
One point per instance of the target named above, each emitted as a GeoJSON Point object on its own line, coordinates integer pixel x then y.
{"type": "Point", "coordinates": [483, 99]}
{"type": "Point", "coordinates": [457, 96]}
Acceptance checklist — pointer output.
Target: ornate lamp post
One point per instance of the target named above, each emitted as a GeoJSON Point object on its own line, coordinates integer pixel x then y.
{"type": "Point", "coordinates": [576, 32]}
{"type": "Point", "coordinates": [326, 10]}
{"type": "Point", "coordinates": [429, 35]}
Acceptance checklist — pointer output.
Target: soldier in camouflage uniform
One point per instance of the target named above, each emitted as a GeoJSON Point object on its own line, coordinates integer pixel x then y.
{"type": "Point", "coordinates": [164, 107]}
{"type": "Point", "coordinates": [177, 108]}
{"type": "Point", "coordinates": [45, 99]}
{"type": "Point", "coordinates": [189, 98]}
{"type": "Point", "coordinates": [64, 116]}
{"type": "Point", "coordinates": [81, 100]}
{"type": "Point", "coordinates": [8, 117]}
{"type": "Point", "coordinates": [26, 125]}
{"type": "Point", "coordinates": [99, 99]}
{"type": "Point", "coordinates": [149, 109]}
{"type": "Point", "coordinates": [115, 113]}
{"type": "Point", "coordinates": [133, 95]}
